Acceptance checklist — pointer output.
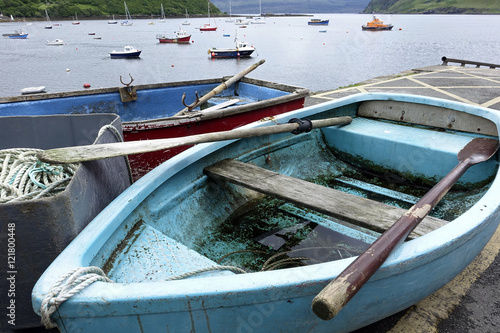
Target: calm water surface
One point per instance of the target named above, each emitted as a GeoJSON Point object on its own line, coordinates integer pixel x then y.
{"type": "Point", "coordinates": [295, 53]}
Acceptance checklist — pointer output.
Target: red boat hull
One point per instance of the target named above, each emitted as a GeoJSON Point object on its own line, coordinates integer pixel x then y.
{"type": "Point", "coordinates": [143, 163]}
{"type": "Point", "coordinates": [208, 29]}
{"type": "Point", "coordinates": [182, 40]}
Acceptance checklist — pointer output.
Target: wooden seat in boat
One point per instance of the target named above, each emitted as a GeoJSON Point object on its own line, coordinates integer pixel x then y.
{"type": "Point", "coordinates": [347, 207]}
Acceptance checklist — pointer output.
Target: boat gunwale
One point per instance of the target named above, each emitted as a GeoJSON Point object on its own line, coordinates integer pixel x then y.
{"type": "Point", "coordinates": [75, 93]}
{"type": "Point", "coordinates": [197, 116]}
{"type": "Point", "coordinates": [411, 254]}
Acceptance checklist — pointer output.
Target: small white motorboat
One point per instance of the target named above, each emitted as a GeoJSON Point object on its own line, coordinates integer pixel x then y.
{"type": "Point", "coordinates": [56, 41]}
{"type": "Point", "coordinates": [33, 90]}
{"type": "Point", "coordinates": [128, 52]}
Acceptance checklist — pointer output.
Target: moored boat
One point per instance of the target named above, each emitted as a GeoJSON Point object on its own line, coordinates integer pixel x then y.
{"type": "Point", "coordinates": [376, 24]}
{"type": "Point", "coordinates": [128, 18]}
{"type": "Point", "coordinates": [245, 231]}
{"type": "Point", "coordinates": [128, 52]}
{"type": "Point", "coordinates": [317, 21]}
{"type": "Point", "coordinates": [186, 22]}
{"type": "Point", "coordinates": [42, 222]}
{"type": "Point", "coordinates": [154, 110]}
{"type": "Point", "coordinates": [20, 34]}
{"type": "Point", "coordinates": [240, 50]}
{"type": "Point", "coordinates": [49, 23]}
{"type": "Point", "coordinates": [181, 37]}
{"type": "Point", "coordinates": [207, 26]}
{"type": "Point", "coordinates": [33, 90]}
{"type": "Point", "coordinates": [241, 22]}
{"type": "Point", "coordinates": [55, 42]}
{"type": "Point", "coordinates": [113, 21]}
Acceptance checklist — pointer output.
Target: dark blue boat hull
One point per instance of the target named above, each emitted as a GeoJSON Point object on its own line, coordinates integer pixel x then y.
{"type": "Point", "coordinates": [231, 54]}
{"type": "Point", "coordinates": [127, 55]}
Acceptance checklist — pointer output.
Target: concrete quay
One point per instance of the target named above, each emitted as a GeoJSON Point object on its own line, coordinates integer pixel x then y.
{"type": "Point", "coordinates": [471, 302]}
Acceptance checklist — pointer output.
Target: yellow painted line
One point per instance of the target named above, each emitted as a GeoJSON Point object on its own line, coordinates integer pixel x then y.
{"type": "Point", "coordinates": [491, 102]}
{"type": "Point", "coordinates": [488, 78]}
{"type": "Point", "coordinates": [443, 91]}
{"type": "Point", "coordinates": [425, 315]}
{"type": "Point", "coordinates": [438, 87]}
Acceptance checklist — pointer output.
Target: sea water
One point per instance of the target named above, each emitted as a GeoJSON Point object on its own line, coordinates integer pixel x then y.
{"type": "Point", "coordinates": [295, 53]}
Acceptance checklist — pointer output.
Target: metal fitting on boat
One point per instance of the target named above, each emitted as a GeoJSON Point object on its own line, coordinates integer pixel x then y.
{"type": "Point", "coordinates": [305, 125]}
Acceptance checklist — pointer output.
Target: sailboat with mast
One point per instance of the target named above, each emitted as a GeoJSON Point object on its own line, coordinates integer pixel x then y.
{"type": "Point", "coordinates": [49, 24]}
{"type": "Point", "coordinates": [162, 15]}
{"type": "Point", "coordinates": [113, 21]}
{"type": "Point", "coordinates": [187, 18]}
{"type": "Point", "coordinates": [230, 19]}
{"type": "Point", "coordinates": [207, 26]}
{"type": "Point", "coordinates": [259, 19]}
{"type": "Point", "coordinates": [76, 22]}
{"type": "Point", "coordinates": [128, 17]}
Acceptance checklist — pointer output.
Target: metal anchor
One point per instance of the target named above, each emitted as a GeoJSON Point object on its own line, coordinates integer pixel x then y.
{"type": "Point", "coordinates": [192, 105]}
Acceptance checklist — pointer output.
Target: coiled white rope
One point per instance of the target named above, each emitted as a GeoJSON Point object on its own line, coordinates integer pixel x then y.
{"type": "Point", "coordinates": [24, 177]}
{"type": "Point", "coordinates": [68, 285]}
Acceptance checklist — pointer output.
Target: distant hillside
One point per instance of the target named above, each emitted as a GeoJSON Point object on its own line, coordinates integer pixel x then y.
{"type": "Point", "coordinates": [433, 6]}
{"type": "Point", "coordinates": [292, 6]}
{"type": "Point", "coordinates": [93, 8]}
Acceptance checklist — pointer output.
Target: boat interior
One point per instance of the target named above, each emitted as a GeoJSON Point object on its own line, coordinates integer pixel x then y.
{"type": "Point", "coordinates": [286, 200]}
{"type": "Point", "coordinates": [153, 102]}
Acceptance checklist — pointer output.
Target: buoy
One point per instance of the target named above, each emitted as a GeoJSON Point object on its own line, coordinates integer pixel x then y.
{"type": "Point", "coordinates": [400, 29]}
{"type": "Point", "coordinates": [172, 65]}
{"type": "Point", "coordinates": [86, 85]}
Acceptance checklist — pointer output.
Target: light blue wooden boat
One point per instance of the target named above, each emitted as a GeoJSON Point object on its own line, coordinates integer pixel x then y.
{"type": "Point", "coordinates": [186, 215]}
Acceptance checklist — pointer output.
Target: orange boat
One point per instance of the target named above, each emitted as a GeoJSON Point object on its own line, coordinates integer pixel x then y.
{"type": "Point", "coordinates": [376, 24]}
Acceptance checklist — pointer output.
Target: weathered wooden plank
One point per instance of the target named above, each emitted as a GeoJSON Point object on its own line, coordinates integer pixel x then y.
{"type": "Point", "coordinates": [348, 207]}
{"type": "Point", "coordinates": [427, 115]}
{"type": "Point", "coordinates": [221, 105]}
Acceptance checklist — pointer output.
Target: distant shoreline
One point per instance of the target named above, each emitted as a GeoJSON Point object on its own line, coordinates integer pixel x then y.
{"type": "Point", "coordinates": [5, 19]}
{"type": "Point", "coordinates": [145, 17]}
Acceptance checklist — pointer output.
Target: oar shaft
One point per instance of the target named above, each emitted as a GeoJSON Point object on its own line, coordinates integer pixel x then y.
{"type": "Point", "coordinates": [94, 152]}
{"type": "Point", "coordinates": [221, 87]}
{"type": "Point", "coordinates": [339, 292]}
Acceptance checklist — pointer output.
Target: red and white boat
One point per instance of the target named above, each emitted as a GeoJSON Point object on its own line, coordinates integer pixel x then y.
{"type": "Point", "coordinates": [181, 37]}
{"type": "Point", "coordinates": [207, 26]}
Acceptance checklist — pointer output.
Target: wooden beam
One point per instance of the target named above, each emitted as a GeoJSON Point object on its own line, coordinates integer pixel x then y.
{"type": "Point", "coordinates": [348, 207]}
{"type": "Point", "coordinates": [221, 105]}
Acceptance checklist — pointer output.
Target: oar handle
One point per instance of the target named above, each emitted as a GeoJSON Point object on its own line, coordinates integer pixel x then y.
{"type": "Point", "coordinates": [339, 292]}
{"type": "Point", "coordinates": [221, 87]}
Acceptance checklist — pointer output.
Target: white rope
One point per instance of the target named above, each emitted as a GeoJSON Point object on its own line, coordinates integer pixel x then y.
{"type": "Point", "coordinates": [68, 285]}
{"type": "Point", "coordinates": [207, 269]}
{"type": "Point", "coordinates": [24, 177]}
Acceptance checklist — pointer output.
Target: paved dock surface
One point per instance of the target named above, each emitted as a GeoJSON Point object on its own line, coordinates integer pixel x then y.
{"type": "Point", "coordinates": [471, 302]}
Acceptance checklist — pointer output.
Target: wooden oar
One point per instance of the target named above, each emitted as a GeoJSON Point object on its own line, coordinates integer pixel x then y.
{"type": "Point", "coordinates": [221, 87]}
{"type": "Point", "coordinates": [338, 292]}
{"type": "Point", "coordinates": [94, 152]}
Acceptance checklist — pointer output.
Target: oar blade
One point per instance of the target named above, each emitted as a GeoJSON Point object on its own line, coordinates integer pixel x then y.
{"type": "Point", "coordinates": [478, 150]}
